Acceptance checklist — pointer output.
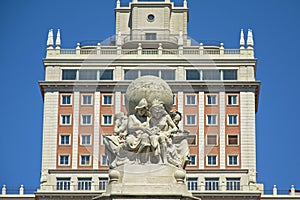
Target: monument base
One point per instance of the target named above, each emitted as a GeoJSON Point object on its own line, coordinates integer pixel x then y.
{"type": "Point", "coordinates": [146, 182]}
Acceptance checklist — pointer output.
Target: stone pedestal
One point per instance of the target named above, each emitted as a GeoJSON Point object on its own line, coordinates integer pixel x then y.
{"type": "Point", "coordinates": [146, 182]}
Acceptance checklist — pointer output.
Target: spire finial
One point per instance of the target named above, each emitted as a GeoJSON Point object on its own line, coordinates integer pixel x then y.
{"type": "Point", "coordinates": [242, 39]}
{"type": "Point", "coordinates": [185, 3]}
{"type": "Point", "coordinates": [118, 4]}
{"type": "Point", "coordinates": [250, 41]}
{"type": "Point", "coordinates": [50, 39]}
{"type": "Point", "coordinates": [58, 41]}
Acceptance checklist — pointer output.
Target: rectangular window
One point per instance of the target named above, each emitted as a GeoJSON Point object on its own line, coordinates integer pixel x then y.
{"type": "Point", "coordinates": [232, 100]}
{"type": "Point", "coordinates": [190, 99]}
{"type": "Point", "coordinates": [211, 183]}
{"type": "Point", "coordinates": [192, 160]}
{"type": "Point", "coordinates": [65, 120]}
{"type": "Point", "coordinates": [84, 183]}
{"type": "Point", "coordinates": [107, 100]}
{"type": "Point", "coordinates": [149, 73]}
{"type": "Point", "coordinates": [232, 160]}
{"type": "Point", "coordinates": [230, 75]}
{"type": "Point", "coordinates": [211, 140]}
{"type": "Point", "coordinates": [103, 183]}
{"type": "Point", "coordinates": [63, 183]}
{"type": "Point", "coordinates": [232, 120]}
{"type": "Point", "coordinates": [86, 119]}
{"type": "Point", "coordinates": [233, 140]}
{"type": "Point", "coordinates": [150, 36]}
{"type": "Point", "coordinates": [85, 160]}
{"type": "Point", "coordinates": [211, 99]}
{"type": "Point", "coordinates": [192, 183]}
{"type": "Point", "coordinates": [211, 160]}
{"type": "Point", "coordinates": [106, 74]}
{"type": "Point", "coordinates": [104, 161]}
{"type": "Point", "coordinates": [192, 75]}
{"type": "Point", "coordinates": [107, 119]}
{"type": "Point", "coordinates": [88, 75]}
{"type": "Point", "coordinates": [192, 139]}
{"type": "Point", "coordinates": [86, 99]}
{"type": "Point", "coordinates": [64, 160]}
{"type": "Point", "coordinates": [131, 74]}
{"type": "Point", "coordinates": [233, 183]}
{"type": "Point", "coordinates": [211, 75]}
{"type": "Point", "coordinates": [168, 74]}
{"type": "Point", "coordinates": [174, 99]}
{"type": "Point", "coordinates": [211, 120]}
{"type": "Point", "coordinates": [69, 74]}
{"type": "Point", "coordinates": [66, 99]}
{"type": "Point", "coordinates": [190, 119]}
{"type": "Point", "coordinates": [85, 140]}
{"type": "Point", "coordinates": [64, 140]}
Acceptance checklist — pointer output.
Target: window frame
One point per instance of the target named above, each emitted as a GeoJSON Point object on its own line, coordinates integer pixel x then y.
{"type": "Point", "coordinates": [60, 139]}
{"type": "Point", "coordinates": [106, 95]}
{"type": "Point", "coordinates": [82, 99]}
{"type": "Point", "coordinates": [233, 181]}
{"type": "Point", "coordinates": [90, 160]}
{"type": "Point", "coordinates": [209, 95]}
{"type": "Point", "coordinates": [81, 139]}
{"type": "Point", "coordinates": [102, 121]}
{"type": "Point", "coordinates": [237, 100]}
{"type": "Point", "coordinates": [237, 120]}
{"type": "Point", "coordinates": [190, 164]}
{"type": "Point", "coordinates": [63, 183]}
{"type": "Point", "coordinates": [87, 183]}
{"type": "Point", "coordinates": [186, 100]}
{"type": "Point", "coordinates": [207, 124]}
{"type": "Point", "coordinates": [61, 117]}
{"type": "Point", "coordinates": [103, 182]}
{"type": "Point", "coordinates": [192, 183]}
{"type": "Point", "coordinates": [237, 160]}
{"type": "Point", "coordinates": [217, 138]}
{"type": "Point", "coordinates": [174, 99]}
{"type": "Point", "coordinates": [214, 183]}
{"type": "Point", "coordinates": [186, 120]}
{"type": "Point", "coordinates": [59, 159]}
{"type": "Point", "coordinates": [82, 120]}
{"type": "Point", "coordinates": [228, 135]}
{"type": "Point", "coordinates": [61, 99]}
{"type": "Point", "coordinates": [207, 163]}
{"type": "Point", "coordinates": [102, 160]}
{"type": "Point", "coordinates": [195, 137]}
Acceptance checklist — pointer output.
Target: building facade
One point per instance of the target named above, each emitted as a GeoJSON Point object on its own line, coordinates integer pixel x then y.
{"type": "Point", "coordinates": [214, 88]}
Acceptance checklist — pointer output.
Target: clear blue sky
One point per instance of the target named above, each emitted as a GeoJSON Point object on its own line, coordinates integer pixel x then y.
{"type": "Point", "coordinates": [23, 35]}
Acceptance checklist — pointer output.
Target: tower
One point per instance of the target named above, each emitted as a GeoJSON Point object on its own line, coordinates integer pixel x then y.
{"type": "Point", "coordinates": [214, 88]}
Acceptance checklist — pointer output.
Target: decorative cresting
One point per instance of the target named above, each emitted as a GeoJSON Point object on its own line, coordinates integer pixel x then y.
{"type": "Point", "coordinates": [150, 134]}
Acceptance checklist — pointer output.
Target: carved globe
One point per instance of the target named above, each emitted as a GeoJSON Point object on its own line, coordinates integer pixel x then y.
{"type": "Point", "coordinates": [151, 88]}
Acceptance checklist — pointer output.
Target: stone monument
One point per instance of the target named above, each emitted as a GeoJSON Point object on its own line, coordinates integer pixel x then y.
{"type": "Point", "coordinates": [147, 152]}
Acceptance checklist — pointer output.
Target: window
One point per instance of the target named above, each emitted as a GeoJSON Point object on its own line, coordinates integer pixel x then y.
{"type": "Point", "coordinates": [85, 140]}
{"type": "Point", "coordinates": [63, 183]}
{"type": "Point", "coordinates": [211, 140]}
{"type": "Point", "coordinates": [233, 183]}
{"type": "Point", "coordinates": [232, 120]}
{"type": "Point", "coordinates": [190, 120]}
{"type": "Point", "coordinates": [84, 183]}
{"type": "Point", "coordinates": [103, 183]}
{"type": "Point", "coordinates": [232, 100]}
{"type": "Point", "coordinates": [86, 99]}
{"type": "Point", "coordinates": [229, 74]}
{"type": "Point", "coordinates": [190, 99]}
{"type": "Point", "coordinates": [69, 74]}
{"type": "Point", "coordinates": [87, 74]}
{"type": "Point", "coordinates": [64, 160]}
{"type": "Point", "coordinates": [191, 139]}
{"type": "Point", "coordinates": [233, 140]}
{"type": "Point", "coordinates": [211, 160]}
{"type": "Point", "coordinates": [106, 74]}
{"type": "Point", "coordinates": [85, 160]}
{"type": "Point", "coordinates": [64, 140]}
{"type": "Point", "coordinates": [211, 119]}
{"type": "Point", "coordinates": [211, 99]}
{"type": "Point", "coordinates": [192, 160]}
{"type": "Point", "coordinates": [150, 36]}
{"type": "Point", "coordinates": [192, 75]}
{"type": "Point", "coordinates": [174, 99]}
{"type": "Point", "coordinates": [211, 183]}
{"type": "Point", "coordinates": [104, 161]}
{"type": "Point", "coordinates": [211, 75]}
{"type": "Point", "coordinates": [192, 183]}
{"type": "Point", "coordinates": [65, 120]}
{"type": "Point", "coordinates": [107, 119]}
{"type": "Point", "coordinates": [66, 99]}
{"type": "Point", "coordinates": [168, 74]}
{"type": "Point", "coordinates": [107, 100]}
{"type": "Point", "coordinates": [86, 119]}
{"type": "Point", "coordinates": [131, 74]}
{"type": "Point", "coordinates": [232, 160]}
{"type": "Point", "coordinates": [150, 73]}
